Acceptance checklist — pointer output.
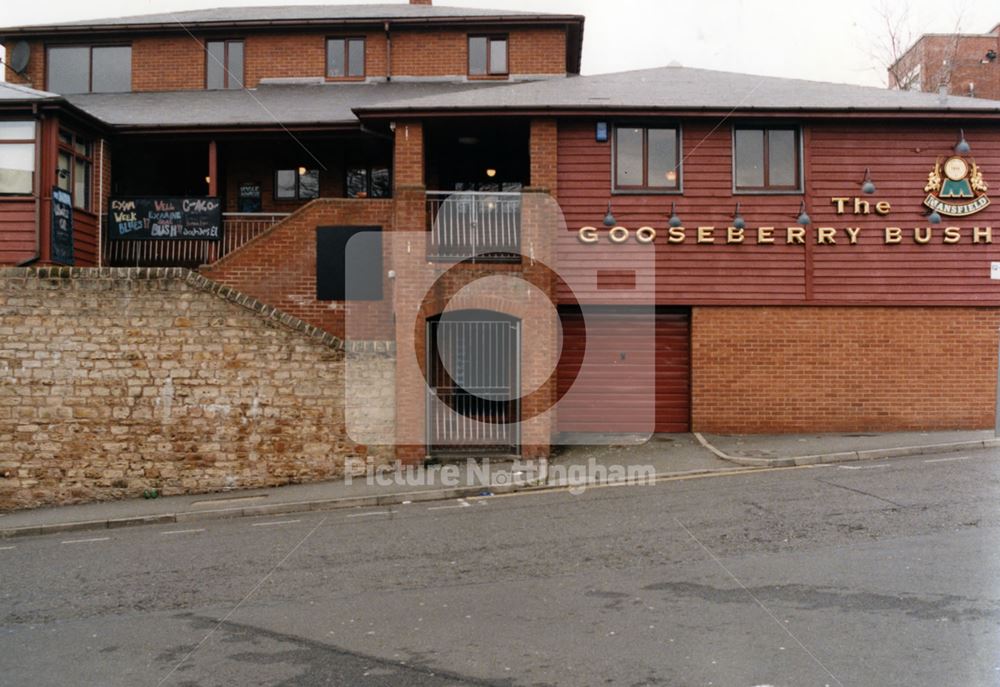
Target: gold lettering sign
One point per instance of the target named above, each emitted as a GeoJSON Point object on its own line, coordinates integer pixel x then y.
{"type": "Point", "coordinates": [769, 236]}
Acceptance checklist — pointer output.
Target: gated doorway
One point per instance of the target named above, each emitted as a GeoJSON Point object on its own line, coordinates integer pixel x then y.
{"type": "Point", "coordinates": [473, 373]}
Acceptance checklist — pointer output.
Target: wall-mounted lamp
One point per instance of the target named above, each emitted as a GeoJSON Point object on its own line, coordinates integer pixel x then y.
{"type": "Point", "coordinates": [867, 185]}
{"type": "Point", "coordinates": [738, 221]}
{"type": "Point", "coordinates": [601, 132]}
{"type": "Point", "coordinates": [962, 147]}
{"type": "Point", "coordinates": [302, 171]}
{"type": "Point", "coordinates": [491, 172]}
{"type": "Point", "coordinates": [934, 217]}
{"type": "Point", "coordinates": [674, 221]}
{"type": "Point", "coordinates": [208, 180]}
{"type": "Point", "coordinates": [609, 219]}
{"type": "Point", "coordinates": [803, 218]}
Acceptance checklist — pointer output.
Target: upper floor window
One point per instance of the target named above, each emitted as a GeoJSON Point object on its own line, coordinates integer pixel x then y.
{"type": "Point", "coordinates": [368, 181]}
{"type": "Point", "coordinates": [73, 167]}
{"type": "Point", "coordinates": [17, 157]}
{"type": "Point", "coordinates": [345, 58]}
{"type": "Point", "coordinates": [767, 159]}
{"type": "Point", "coordinates": [89, 69]}
{"type": "Point", "coordinates": [488, 56]}
{"type": "Point", "coordinates": [296, 184]}
{"type": "Point", "coordinates": [647, 158]}
{"type": "Point", "coordinates": [223, 64]}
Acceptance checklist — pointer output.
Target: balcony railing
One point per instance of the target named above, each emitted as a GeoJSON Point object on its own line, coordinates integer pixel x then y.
{"type": "Point", "coordinates": [476, 226]}
{"type": "Point", "coordinates": [238, 228]}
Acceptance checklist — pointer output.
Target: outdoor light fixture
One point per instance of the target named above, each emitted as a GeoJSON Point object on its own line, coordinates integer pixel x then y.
{"type": "Point", "coordinates": [601, 132]}
{"type": "Point", "coordinates": [738, 221]}
{"type": "Point", "coordinates": [803, 218]}
{"type": "Point", "coordinates": [934, 217]}
{"type": "Point", "coordinates": [868, 186]}
{"type": "Point", "coordinates": [962, 147]}
{"type": "Point", "coordinates": [208, 180]}
{"type": "Point", "coordinates": [491, 172]}
{"type": "Point", "coordinates": [302, 171]}
{"type": "Point", "coordinates": [675, 221]}
{"type": "Point", "coordinates": [609, 219]}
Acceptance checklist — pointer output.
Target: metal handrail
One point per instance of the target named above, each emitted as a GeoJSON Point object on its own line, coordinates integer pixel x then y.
{"type": "Point", "coordinates": [481, 226]}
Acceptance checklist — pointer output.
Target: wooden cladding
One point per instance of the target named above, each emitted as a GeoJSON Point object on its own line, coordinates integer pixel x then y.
{"type": "Point", "coordinates": [835, 155]}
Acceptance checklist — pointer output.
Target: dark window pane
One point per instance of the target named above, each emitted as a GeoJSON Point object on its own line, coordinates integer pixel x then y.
{"type": "Point", "coordinates": [68, 70]}
{"type": "Point", "coordinates": [63, 170]}
{"type": "Point", "coordinates": [381, 183]}
{"type": "Point", "coordinates": [309, 185]}
{"type": "Point", "coordinates": [81, 184]}
{"type": "Point", "coordinates": [234, 65]}
{"type": "Point", "coordinates": [112, 69]}
{"type": "Point", "coordinates": [782, 152]}
{"type": "Point", "coordinates": [285, 181]}
{"type": "Point", "coordinates": [356, 58]}
{"type": "Point", "coordinates": [17, 164]}
{"type": "Point", "coordinates": [335, 66]}
{"type": "Point", "coordinates": [477, 56]}
{"type": "Point", "coordinates": [498, 56]}
{"type": "Point", "coordinates": [357, 182]}
{"type": "Point", "coordinates": [663, 172]}
{"type": "Point", "coordinates": [749, 158]}
{"type": "Point", "coordinates": [215, 67]}
{"type": "Point", "coordinates": [628, 153]}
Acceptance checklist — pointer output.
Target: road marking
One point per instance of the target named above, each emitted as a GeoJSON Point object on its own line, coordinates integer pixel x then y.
{"type": "Point", "coordinates": [183, 531]}
{"type": "Point", "coordinates": [948, 460]}
{"type": "Point", "coordinates": [368, 515]}
{"type": "Point", "coordinates": [462, 503]}
{"type": "Point", "coordinates": [275, 523]}
{"type": "Point", "coordinates": [7, 548]}
{"type": "Point", "coordinates": [85, 541]}
{"type": "Point", "coordinates": [865, 467]}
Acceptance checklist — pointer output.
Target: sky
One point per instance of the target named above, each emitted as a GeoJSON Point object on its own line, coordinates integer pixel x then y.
{"type": "Point", "coordinates": [824, 40]}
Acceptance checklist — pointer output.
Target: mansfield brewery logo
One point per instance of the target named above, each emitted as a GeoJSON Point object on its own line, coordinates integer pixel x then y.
{"type": "Point", "coordinates": [956, 188]}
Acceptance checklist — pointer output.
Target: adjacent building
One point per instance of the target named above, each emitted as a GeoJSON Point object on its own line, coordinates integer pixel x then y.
{"type": "Point", "coordinates": [953, 63]}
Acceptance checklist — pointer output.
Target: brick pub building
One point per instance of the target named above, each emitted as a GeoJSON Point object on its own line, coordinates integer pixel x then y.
{"type": "Point", "coordinates": [725, 252]}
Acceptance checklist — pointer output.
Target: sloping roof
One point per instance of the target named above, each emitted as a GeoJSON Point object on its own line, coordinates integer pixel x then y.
{"type": "Point", "coordinates": [292, 14]}
{"type": "Point", "coordinates": [266, 106]}
{"type": "Point", "coordinates": [12, 92]}
{"type": "Point", "coordinates": [680, 88]}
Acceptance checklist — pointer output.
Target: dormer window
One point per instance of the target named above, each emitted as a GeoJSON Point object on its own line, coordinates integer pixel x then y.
{"type": "Point", "coordinates": [89, 69]}
{"type": "Point", "coordinates": [488, 56]}
{"type": "Point", "coordinates": [345, 58]}
{"type": "Point", "coordinates": [223, 64]}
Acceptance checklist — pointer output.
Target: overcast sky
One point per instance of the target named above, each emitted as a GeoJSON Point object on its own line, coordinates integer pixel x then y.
{"type": "Point", "coordinates": [826, 40]}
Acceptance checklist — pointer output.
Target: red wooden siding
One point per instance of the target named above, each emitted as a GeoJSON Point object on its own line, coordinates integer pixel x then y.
{"type": "Point", "coordinates": [836, 155]}
{"type": "Point", "coordinates": [614, 390]}
{"type": "Point", "coordinates": [17, 231]}
{"type": "Point", "coordinates": [84, 238]}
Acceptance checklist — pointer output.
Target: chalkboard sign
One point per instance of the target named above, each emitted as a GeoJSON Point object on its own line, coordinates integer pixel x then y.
{"type": "Point", "coordinates": [62, 226]}
{"type": "Point", "coordinates": [249, 197]}
{"type": "Point", "coordinates": [157, 219]}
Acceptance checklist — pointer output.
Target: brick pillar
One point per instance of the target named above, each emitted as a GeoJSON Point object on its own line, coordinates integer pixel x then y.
{"type": "Point", "coordinates": [544, 154]}
{"type": "Point", "coordinates": [408, 166]}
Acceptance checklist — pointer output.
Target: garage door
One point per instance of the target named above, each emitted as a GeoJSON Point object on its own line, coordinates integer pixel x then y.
{"type": "Point", "coordinates": [614, 390]}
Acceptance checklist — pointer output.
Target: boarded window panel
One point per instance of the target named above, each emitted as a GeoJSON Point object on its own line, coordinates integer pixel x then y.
{"type": "Point", "coordinates": [498, 56]}
{"type": "Point", "coordinates": [477, 55]}
{"type": "Point", "coordinates": [234, 65]}
{"type": "Point", "coordinates": [663, 161]}
{"type": "Point", "coordinates": [356, 58]}
{"type": "Point", "coordinates": [68, 70]}
{"type": "Point", "coordinates": [749, 158]}
{"type": "Point", "coordinates": [215, 68]}
{"type": "Point", "coordinates": [349, 263]}
{"type": "Point", "coordinates": [335, 67]}
{"type": "Point", "coordinates": [782, 154]}
{"type": "Point", "coordinates": [628, 155]}
{"type": "Point", "coordinates": [112, 69]}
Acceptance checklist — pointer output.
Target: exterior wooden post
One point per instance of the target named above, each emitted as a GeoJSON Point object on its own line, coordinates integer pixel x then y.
{"type": "Point", "coordinates": [213, 169]}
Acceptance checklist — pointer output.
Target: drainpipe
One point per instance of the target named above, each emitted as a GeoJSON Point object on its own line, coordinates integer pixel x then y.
{"type": "Point", "coordinates": [37, 191]}
{"type": "Point", "coordinates": [388, 53]}
{"type": "Point", "coordinates": [100, 208]}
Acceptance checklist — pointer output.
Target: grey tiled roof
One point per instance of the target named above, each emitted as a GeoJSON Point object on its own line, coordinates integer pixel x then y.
{"type": "Point", "coordinates": [680, 88]}
{"type": "Point", "coordinates": [292, 14]}
{"type": "Point", "coordinates": [268, 105]}
{"type": "Point", "coordinates": [15, 92]}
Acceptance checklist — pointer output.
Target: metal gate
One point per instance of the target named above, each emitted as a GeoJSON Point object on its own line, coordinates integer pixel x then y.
{"type": "Point", "coordinates": [473, 366]}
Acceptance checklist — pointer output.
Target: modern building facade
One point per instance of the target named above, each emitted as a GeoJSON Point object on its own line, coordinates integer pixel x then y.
{"type": "Point", "coordinates": [548, 255]}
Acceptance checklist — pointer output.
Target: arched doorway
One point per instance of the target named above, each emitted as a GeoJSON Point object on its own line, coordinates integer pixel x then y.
{"type": "Point", "coordinates": [473, 380]}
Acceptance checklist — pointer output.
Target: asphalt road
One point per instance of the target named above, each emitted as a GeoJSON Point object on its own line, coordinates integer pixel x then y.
{"type": "Point", "coordinates": [872, 574]}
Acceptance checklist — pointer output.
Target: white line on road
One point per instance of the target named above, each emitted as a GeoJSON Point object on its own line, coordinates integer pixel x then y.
{"type": "Point", "coordinates": [367, 515]}
{"type": "Point", "coordinates": [183, 531]}
{"type": "Point", "coordinates": [275, 523]}
{"type": "Point", "coordinates": [462, 503]}
{"type": "Point", "coordinates": [7, 548]}
{"type": "Point", "coordinates": [948, 460]}
{"type": "Point", "coordinates": [85, 541]}
{"type": "Point", "coordinates": [865, 467]}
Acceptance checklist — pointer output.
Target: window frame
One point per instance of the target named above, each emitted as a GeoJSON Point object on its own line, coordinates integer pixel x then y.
{"type": "Point", "coordinates": [490, 74]}
{"type": "Point", "coordinates": [766, 189]}
{"type": "Point", "coordinates": [645, 189]}
{"type": "Point", "coordinates": [347, 58]}
{"type": "Point", "coordinates": [298, 185]}
{"type": "Point", "coordinates": [369, 170]}
{"type": "Point", "coordinates": [90, 63]}
{"type": "Point", "coordinates": [74, 157]}
{"type": "Point", "coordinates": [34, 156]}
{"type": "Point", "coordinates": [225, 63]}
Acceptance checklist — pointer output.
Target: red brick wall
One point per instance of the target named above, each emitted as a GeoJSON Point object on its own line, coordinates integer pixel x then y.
{"type": "Point", "coordinates": [841, 369]}
{"type": "Point", "coordinates": [167, 63]}
{"type": "Point", "coordinates": [432, 53]}
{"type": "Point", "coordinates": [34, 75]}
{"type": "Point", "coordinates": [953, 61]}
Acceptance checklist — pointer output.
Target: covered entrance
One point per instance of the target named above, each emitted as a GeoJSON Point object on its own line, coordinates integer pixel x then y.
{"type": "Point", "coordinates": [473, 373]}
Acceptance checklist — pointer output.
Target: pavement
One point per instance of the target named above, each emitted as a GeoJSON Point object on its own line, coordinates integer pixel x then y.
{"type": "Point", "coordinates": [578, 467]}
